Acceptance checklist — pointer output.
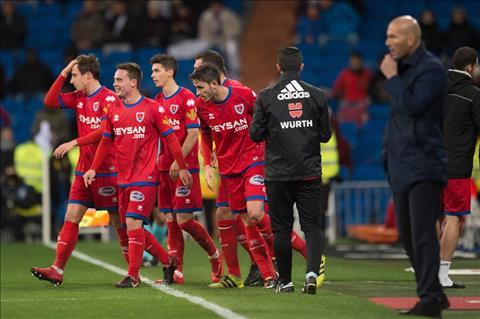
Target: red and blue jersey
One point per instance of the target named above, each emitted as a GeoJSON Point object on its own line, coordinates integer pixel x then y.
{"type": "Point", "coordinates": [231, 82]}
{"type": "Point", "coordinates": [136, 129]}
{"type": "Point", "coordinates": [90, 110]}
{"type": "Point", "coordinates": [180, 108]}
{"type": "Point", "coordinates": [228, 122]}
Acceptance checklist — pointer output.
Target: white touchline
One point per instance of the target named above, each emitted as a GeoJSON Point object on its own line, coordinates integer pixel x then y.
{"type": "Point", "coordinates": [219, 310]}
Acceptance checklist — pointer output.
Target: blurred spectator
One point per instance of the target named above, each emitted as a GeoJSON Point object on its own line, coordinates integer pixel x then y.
{"type": "Point", "coordinates": [58, 123]}
{"type": "Point", "coordinates": [14, 27]}
{"type": "Point", "coordinates": [376, 89]}
{"type": "Point", "coordinates": [88, 29]}
{"type": "Point", "coordinates": [432, 36]}
{"type": "Point", "coordinates": [184, 25]}
{"type": "Point", "coordinates": [309, 25]}
{"type": "Point", "coordinates": [156, 24]}
{"type": "Point", "coordinates": [122, 26]}
{"type": "Point", "coordinates": [351, 88]}
{"type": "Point", "coordinates": [221, 27]}
{"type": "Point", "coordinates": [32, 77]}
{"type": "Point", "coordinates": [341, 21]}
{"type": "Point", "coordinates": [460, 33]}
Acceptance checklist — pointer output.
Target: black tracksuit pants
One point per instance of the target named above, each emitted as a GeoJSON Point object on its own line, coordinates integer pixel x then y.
{"type": "Point", "coordinates": [281, 198]}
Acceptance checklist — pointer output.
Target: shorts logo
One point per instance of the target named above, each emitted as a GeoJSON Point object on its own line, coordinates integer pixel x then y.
{"type": "Point", "coordinates": [96, 106]}
{"type": "Point", "coordinates": [239, 108]}
{"type": "Point", "coordinates": [182, 191]}
{"type": "Point", "coordinates": [140, 116]}
{"type": "Point", "coordinates": [136, 196]}
{"type": "Point", "coordinates": [257, 180]}
{"type": "Point", "coordinates": [107, 191]}
{"type": "Point", "coordinates": [173, 108]}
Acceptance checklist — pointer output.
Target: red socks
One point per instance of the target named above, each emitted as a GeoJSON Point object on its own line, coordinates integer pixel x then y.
{"type": "Point", "coordinates": [228, 241]}
{"type": "Point", "coordinates": [175, 242]}
{"type": "Point", "coordinates": [123, 239]}
{"type": "Point", "coordinates": [66, 241]}
{"type": "Point", "coordinates": [265, 228]}
{"type": "Point", "coordinates": [200, 234]}
{"type": "Point", "coordinates": [242, 237]}
{"type": "Point", "coordinates": [299, 244]}
{"type": "Point", "coordinates": [136, 246]}
{"type": "Point", "coordinates": [259, 252]}
{"type": "Point", "coordinates": [153, 247]}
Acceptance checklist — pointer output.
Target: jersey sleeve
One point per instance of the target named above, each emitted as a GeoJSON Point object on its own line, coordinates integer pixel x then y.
{"type": "Point", "coordinates": [68, 100]}
{"type": "Point", "coordinates": [191, 118]}
{"type": "Point", "coordinates": [161, 122]}
{"type": "Point", "coordinates": [250, 98]}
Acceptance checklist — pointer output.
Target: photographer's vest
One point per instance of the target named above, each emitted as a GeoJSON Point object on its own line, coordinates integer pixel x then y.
{"type": "Point", "coordinates": [330, 159]}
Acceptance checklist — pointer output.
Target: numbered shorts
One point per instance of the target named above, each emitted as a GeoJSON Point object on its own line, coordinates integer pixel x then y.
{"type": "Point", "coordinates": [174, 197]}
{"type": "Point", "coordinates": [457, 197]}
{"type": "Point", "coordinates": [137, 202]}
{"type": "Point", "coordinates": [241, 188]}
{"type": "Point", "coordinates": [102, 194]}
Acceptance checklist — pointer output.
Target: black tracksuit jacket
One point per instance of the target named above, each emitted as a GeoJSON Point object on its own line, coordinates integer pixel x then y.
{"type": "Point", "coordinates": [292, 117]}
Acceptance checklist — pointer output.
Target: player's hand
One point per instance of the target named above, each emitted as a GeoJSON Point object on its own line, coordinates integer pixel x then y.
{"type": "Point", "coordinates": [214, 160]}
{"type": "Point", "coordinates": [185, 177]}
{"type": "Point", "coordinates": [64, 148]}
{"type": "Point", "coordinates": [388, 66]}
{"type": "Point", "coordinates": [89, 177]}
{"type": "Point", "coordinates": [174, 170]}
{"type": "Point", "coordinates": [210, 177]}
{"type": "Point", "coordinates": [66, 71]}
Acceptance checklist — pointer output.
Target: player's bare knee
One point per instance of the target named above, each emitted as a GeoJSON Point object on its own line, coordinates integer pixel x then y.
{"type": "Point", "coordinates": [133, 224]}
{"type": "Point", "coordinates": [170, 217]}
{"type": "Point", "coordinates": [255, 216]}
{"type": "Point", "coordinates": [183, 218]}
{"type": "Point", "coordinates": [75, 213]}
{"type": "Point", "coordinates": [224, 213]}
{"type": "Point", "coordinates": [114, 219]}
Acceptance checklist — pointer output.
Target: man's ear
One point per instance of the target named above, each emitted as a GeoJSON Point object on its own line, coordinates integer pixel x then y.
{"type": "Point", "coordinates": [301, 67]}
{"type": "Point", "coordinates": [278, 68]}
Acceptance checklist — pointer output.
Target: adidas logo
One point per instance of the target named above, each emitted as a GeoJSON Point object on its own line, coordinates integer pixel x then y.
{"type": "Point", "coordinates": [292, 90]}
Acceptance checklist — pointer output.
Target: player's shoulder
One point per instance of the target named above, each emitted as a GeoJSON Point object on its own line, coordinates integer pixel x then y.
{"type": "Point", "coordinates": [232, 82]}
{"type": "Point", "coordinates": [108, 95]}
{"type": "Point", "coordinates": [242, 91]}
{"type": "Point", "coordinates": [188, 98]}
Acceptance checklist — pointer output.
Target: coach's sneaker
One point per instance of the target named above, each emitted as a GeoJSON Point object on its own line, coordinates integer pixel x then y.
{"type": "Point", "coordinates": [217, 267]}
{"type": "Point", "coordinates": [49, 274]}
{"type": "Point", "coordinates": [254, 277]}
{"type": "Point", "coordinates": [228, 281]}
{"type": "Point", "coordinates": [321, 272]}
{"type": "Point", "coordinates": [285, 288]}
{"type": "Point", "coordinates": [455, 285]}
{"type": "Point", "coordinates": [128, 282]}
{"type": "Point", "coordinates": [270, 283]}
{"type": "Point", "coordinates": [310, 286]}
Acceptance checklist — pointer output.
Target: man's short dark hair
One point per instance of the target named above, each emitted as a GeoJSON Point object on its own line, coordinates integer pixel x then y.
{"type": "Point", "coordinates": [134, 71]}
{"type": "Point", "coordinates": [289, 59]}
{"type": "Point", "coordinates": [356, 54]}
{"type": "Point", "coordinates": [213, 57]}
{"type": "Point", "coordinates": [89, 63]}
{"type": "Point", "coordinates": [464, 57]}
{"type": "Point", "coordinates": [206, 73]}
{"type": "Point", "coordinates": [167, 61]}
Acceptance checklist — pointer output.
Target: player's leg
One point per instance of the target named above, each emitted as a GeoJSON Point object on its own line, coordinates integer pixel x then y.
{"type": "Point", "coordinates": [185, 202]}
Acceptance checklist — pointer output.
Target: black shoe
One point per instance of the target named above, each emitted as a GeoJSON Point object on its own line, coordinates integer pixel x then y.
{"type": "Point", "coordinates": [310, 286]}
{"type": "Point", "coordinates": [127, 282]}
{"type": "Point", "coordinates": [431, 309]}
{"type": "Point", "coordinates": [254, 277]}
{"type": "Point", "coordinates": [455, 285]}
{"type": "Point", "coordinates": [270, 283]}
{"type": "Point", "coordinates": [285, 288]}
{"type": "Point", "coordinates": [169, 271]}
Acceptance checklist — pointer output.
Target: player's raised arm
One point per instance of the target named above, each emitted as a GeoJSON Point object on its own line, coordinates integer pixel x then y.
{"type": "Point", "coordinates": [52, 98]}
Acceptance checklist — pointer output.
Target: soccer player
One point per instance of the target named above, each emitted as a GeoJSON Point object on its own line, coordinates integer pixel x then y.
{"type": "Point", "coordinates": [90, 102]}
{"type": "Point", "coordinates": [135, 126]}
{"type": "Point", "coordinates": [225, 114]}
{"type": "Point", "coordinates": [174, 199]}
{"type": "Point", "coordinates": [254, 277]}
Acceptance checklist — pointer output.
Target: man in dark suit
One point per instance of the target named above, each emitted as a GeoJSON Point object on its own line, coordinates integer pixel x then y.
{"type": "Point", "coordinates": [414, 155]}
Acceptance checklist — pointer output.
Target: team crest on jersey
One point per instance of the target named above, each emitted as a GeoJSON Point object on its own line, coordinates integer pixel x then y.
{"type": "Point", "coordinates": [191, 114]}
{"type": "Point", "coordinates": [106, 191]}
{"type": "Point", "coordinates": [96, 106]}
{"type": "Point", "coordinates": [173, 108]}
{"type": "Point", "coordinates": [80, 105]}
{"type": "Point", "coordinates": [257, 180]}
{"type": "Point", "coordinates": [140, 116]}
{"type": "Point", "coordinates": [136, 196]}
{"type": "Point", "coordinates": [110, 98]}
{"type": "Point", "coordinates": [239, 108]}
{"type": "Point", "coordinates": [182, 191]}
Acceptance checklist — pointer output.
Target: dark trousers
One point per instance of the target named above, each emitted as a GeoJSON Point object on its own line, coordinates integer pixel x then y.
{"type": "Point", "coordinates": [281, 198]}
{"type": "Point", "coordinates": [417, 211]}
